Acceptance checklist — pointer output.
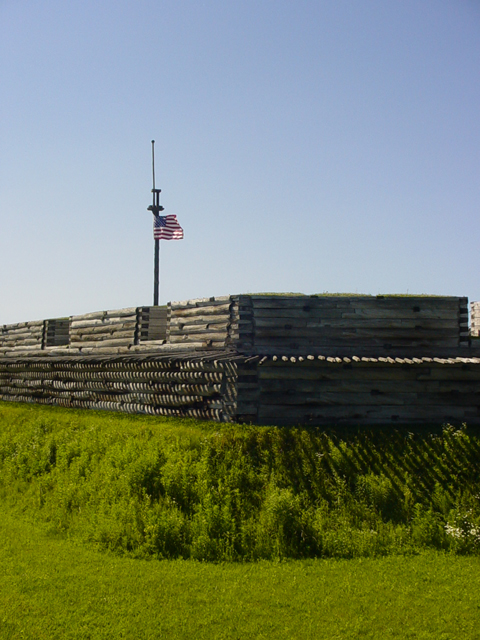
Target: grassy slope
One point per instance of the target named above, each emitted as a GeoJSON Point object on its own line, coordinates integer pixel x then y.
{"type": "Point", "coordinates": [67, 477]}
{"type": "Point", "coordinates": [169, 488]}
{"type": "Point", "coordinates": [51, 588]}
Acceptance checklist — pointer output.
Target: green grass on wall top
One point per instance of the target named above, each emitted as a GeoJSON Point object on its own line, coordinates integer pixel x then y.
{"type": "Point", "coordinates": [170, 488]}
{"type": "Point", "coordinates": [326, 294]}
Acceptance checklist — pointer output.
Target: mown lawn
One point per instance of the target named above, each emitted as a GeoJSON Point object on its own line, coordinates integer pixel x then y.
{"type": "Point", "coordinates": [55, 588]}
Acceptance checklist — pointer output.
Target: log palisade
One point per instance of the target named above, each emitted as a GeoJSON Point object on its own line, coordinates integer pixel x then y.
{"type": "Point", "coordinates": [265, 359]}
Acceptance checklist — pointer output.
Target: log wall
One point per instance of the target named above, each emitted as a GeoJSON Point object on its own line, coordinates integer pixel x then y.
{"type": "Point", "coordinates": [256, 358]}
{"type": "Point", "coordinates": [100, 330]}
{"type": "Point", "coordinates": [321, 390]}
{"type": "Point", "coordinates": [312, 390]}
{"type": "Point", "coordinates": [202, 323]}
{"type": "Point", "coordinates": [341, 325]}
{"type": "Point", "coordinates": [200, 386]}
{"type": "Point", "coordinates": [256, 324]}
{"type": "Point", "coordinates": [110, 328]}
{"type": "Point", "coordinates": [27, 336]}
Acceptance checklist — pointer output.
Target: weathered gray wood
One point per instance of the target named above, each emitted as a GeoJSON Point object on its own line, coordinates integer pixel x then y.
{"type": "Point", "coordinates": [203, 334]}
{"type": "Point", "coordinates": [200, 302]}
{"type": "Point", "coordinates": [22, 325]}
{"type": "Point", "coordinates": [366, 414]}
{"type": "Point", "coordinates": [99, 322]}
{"type": "Point", "coordinates": [413, 324]}
{"type": "Point", "coordinates": [355, 302]}
{"type": "Point", "coordinates": [369, 372]}
{"type": "Point", "coordinates": [355, 314]}
{"type": "Point", "coordinates": [270, 346]}
{"type": "Point", "coordinates": [116, 313]}
{"type": "Point", "coordinates": [191, 323]}
{"type": "Point", "coordinates": [110, 342]}
{"type": "Point", "coordinates": [334, 333]}
{"type": "Point", "coordinates": [102, 336]}
{"type": "Point", "coordinates": [187, 312]}
{"type": "Point", "coordinates": [23, 343]}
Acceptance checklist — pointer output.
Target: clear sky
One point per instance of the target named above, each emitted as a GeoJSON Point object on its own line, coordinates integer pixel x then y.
{"type": "Point", "coordinates": [304, 145]}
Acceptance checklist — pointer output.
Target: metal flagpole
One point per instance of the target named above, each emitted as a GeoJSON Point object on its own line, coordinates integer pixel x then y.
{"type": "Point", "coordinates": [155, 208]}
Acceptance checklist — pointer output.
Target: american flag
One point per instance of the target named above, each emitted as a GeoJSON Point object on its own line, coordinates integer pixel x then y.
{"type": "Point", "coordinates": [167, 228]}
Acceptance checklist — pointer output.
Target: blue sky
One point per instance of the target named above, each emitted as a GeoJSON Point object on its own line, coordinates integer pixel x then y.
{"type": "Point", "coordinates": [304, 146]}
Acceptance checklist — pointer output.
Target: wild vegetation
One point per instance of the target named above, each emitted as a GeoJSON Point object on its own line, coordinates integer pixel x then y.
{"type": "Point", "coordinates": [164, 488]}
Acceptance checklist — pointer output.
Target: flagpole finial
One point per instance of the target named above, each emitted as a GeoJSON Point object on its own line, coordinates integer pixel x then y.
{"type": "Point", "coordinates": [155, 207]}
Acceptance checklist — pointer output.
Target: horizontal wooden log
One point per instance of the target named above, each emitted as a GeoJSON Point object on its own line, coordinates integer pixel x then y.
{"type": "Point", "coordinates": [199, 321]}
{"type": "Point", "coordinates": [36, 342]}
{"type": "Point", "coordinates": [191, 312]}
{"type": "Point", "coordinates": [102, 337]}
{"type": "Point", "coordinates": [200, 302]}
{"type": "Point", "coordinates": [187, 347]}
{"type": "Point", "coordinates": [373, 386]}
{"type": "Point", "coordinates": [370, 372]}
{"type": "Point", "coordinates": [355, 314]}
{"type": "Point", "coordinates": [116, 313]}
{"type": "Point", "coordinates": [199, 329]}
{"type": "Point", "coordinates": [110, 342]}
{"type": "Point", "coordinates": [104, 328]}
{"type": "Point", "coordinates": [332, 333]}
{"type": "Point", "coordinates": [101, 322]}
{"type": "Point", "coordinates": [356, 398]}
{"type": "Point", "coordinates": [294, 324]}
{"type": "Point", "coordinates": [22, 325]}
{"type": "Point", "coordinates": [366, 414]}
{"type": "Point", "coordinates": [269, 345]}
{"type": "Point", "coordinates": [355, 302]}
{"type": "Point", "coordinates": [12, 338]}
{"type": "Point", "coordinates": [201, 334]}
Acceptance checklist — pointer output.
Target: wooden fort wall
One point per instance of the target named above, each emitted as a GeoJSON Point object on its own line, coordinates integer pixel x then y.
{"type": "Point", "coordinates": [100, 331]}
{"type": "Point", "coordinates": [256, 324]}
{"type": "Point", "coordinates": [226, 386]}
{"type": "Point", "coordinates": [188, 385]}
{"type": "Point", "coordinates": [262, 359]}
{"type": "Point", "coordinates": [342, 325]}
{"type": "Point", "coordinates": [361, 390]}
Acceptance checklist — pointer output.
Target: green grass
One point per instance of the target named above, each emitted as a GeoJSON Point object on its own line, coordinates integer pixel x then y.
{"type": "Point", "coordinates": [326, 294]}
{"type": "Point", "coordinates": [109, 523]}
{"type": "Point", "coordinates": [166, 488]}
{"type": "Point", "coordinates": [52, 588]}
